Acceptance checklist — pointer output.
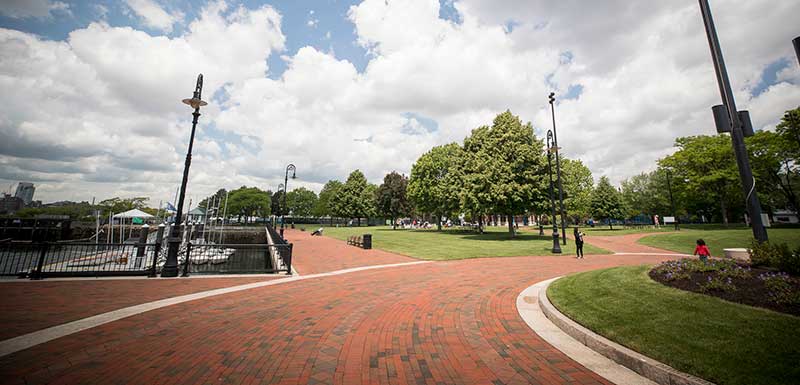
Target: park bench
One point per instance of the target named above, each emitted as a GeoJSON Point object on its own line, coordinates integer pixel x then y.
{"type": "Point", "coordinates": [364, 242]}
{"type": "Point", "coordinates": [355, 241]}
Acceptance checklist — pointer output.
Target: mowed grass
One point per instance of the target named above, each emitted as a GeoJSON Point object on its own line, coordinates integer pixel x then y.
{"type": "Point", "coordinates": [459, 244]}
{"type": "Point", "coordinates": [720, 341]}
{"type": "Point", "coordinates": [624, 230]}
{"type": "Point", "coordinates": [717, 240]}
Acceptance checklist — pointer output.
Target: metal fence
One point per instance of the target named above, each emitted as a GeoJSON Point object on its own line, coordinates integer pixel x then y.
{"type": "Point", "coordinates": [40, 260]}
{"type": "Point", "coordinates": [236, 258]}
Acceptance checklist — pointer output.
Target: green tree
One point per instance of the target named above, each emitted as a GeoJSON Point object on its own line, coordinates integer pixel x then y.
{"type": "Point", "coordinates": [504, 168]}
{"type": "Point", "coordinates": [646, 194]}
{"type": "Point", "coordinates": [789, 129]}
{"type": "Point", "coordinates": [249, 202]}
{"type": "Point", "coordinates": [352, 199]}
{"type": "Point", "coordinates": [771, 157]}
{"type": "Point", "coordinates": [705, 174]}
{"type": "Point", "coordinates": [323, 206]}
{"type": "Point", "coordinates": [301, 201]}
{"type": "Point", "coordinates": [578, 183]}
{"type": "Point", "coordinates": [607, 202]}
{"type": "Point", "coordinates": [435, 181]}
{"type": "Point", "coordinates": [391, 197]}
{"type": "Point", "coordinates": [276, 203]}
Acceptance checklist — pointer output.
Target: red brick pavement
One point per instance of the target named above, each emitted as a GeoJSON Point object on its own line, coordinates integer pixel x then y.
{"type": "Point", "coordinates": [311, 255]}
{"type": "Point", "coordinates": [29, 306]}
{"type": "Point", "coordinates": [438, 323]}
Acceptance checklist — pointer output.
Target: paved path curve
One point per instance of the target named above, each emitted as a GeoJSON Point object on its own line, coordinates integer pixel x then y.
{"type": "Point", "coordinates": [438, 323]}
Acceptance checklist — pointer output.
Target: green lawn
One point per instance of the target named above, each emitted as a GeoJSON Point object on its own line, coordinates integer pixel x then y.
{"type": "Point", "coordinates": [720, 341]}
{"type": "Point", "coordinates": [456, 244]}
{"type": "Point", "coordinates": [624, 230]}
{"type": "Point", "coordinates": [684, 241]}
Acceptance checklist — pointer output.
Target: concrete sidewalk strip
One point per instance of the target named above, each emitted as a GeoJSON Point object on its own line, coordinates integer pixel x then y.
{"type": "Point", "coordinates": [530, 311]}
{"type": "Point", "coordinates": [25, 341]}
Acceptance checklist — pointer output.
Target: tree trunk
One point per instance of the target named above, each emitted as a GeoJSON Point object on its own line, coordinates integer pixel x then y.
{"type": "Point", "coordinates": [511, 226]}
{"type": "Point", "coordinates": [438, 222]}
{"type": "Point", "coordinates": [480, 224]}
{"type": "Point", "coordinates": [724, 210]}
{"type": "Point", "coordinates": [394, 223]}
{"type": "Point", "coordinates": [610, 224]}
{"type": "Point", "coordinates": [359, 221]}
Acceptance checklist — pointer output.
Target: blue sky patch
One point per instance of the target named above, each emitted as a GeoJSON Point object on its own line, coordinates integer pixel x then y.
{"type": "Point", "coordinates": [409, 128]}
{"type": "Point", "coordinates": [769, 77]}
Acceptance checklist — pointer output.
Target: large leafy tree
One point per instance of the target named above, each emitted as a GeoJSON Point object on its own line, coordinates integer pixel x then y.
{"type": "Point", "coordinates": [578, 183]}
{"type": "Point", "coordinates": [276, 203]}
{"type": "Point", "coordinates": [504, 168]}
{"type": "Point", "coordinates": [435, 181]}
{"type": "Point", "coordinates": [323, 206]}
{"type": "Point", "coordinates": [607, 202]}
{"type": "Point", "coordinates": [391, 197]}
{"type": "Point", "coordinates": [705, 174]}
{"type": "Point", "coordinates": [218, 196]}
{"type": "Point", "coordinates": [301, 201]}
{"type": "Point", "coordinates": [646, 194]}
{"type": "Point", "coordinates": [771, 157]}
{"type": "Point", "coordinates": [249, 202]}
{"type": "Point", "coordinates": [789, 129]}
{"type": "Point", "coordinates": [355, 199]}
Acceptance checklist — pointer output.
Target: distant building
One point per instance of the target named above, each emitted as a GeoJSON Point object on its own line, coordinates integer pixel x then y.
{"type": "Point", "coordinates": [10, 204]}
{"type": "Point", "coordinates": [25, 192]}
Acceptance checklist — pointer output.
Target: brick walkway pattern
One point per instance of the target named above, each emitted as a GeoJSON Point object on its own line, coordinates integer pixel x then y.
{"type": "Point", "coordinates": [313, 255]}
{"type": "Point", "coordinates": [30, 306]}
{"type": "Point", "coordinates": [437, 323]}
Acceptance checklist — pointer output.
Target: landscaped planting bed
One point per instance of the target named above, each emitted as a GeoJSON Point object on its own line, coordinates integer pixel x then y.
{"type": "Point", "coordinates": [733, 281]}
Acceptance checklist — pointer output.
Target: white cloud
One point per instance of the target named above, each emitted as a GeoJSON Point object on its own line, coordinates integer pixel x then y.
{"type": "Point", "coordinates": [645, 71]}
{"type": "Point", "coordinates": [153, 15]}
{"type": "Point", "coordinates": [21, 9]}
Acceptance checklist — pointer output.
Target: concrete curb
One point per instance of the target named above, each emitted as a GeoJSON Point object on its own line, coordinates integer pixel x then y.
{"type": "Point", "coordinates": [649, 368]}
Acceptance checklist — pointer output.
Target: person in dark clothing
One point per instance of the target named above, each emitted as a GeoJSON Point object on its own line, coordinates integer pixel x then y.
{"type": "Point", "coordinates": [578, 242]}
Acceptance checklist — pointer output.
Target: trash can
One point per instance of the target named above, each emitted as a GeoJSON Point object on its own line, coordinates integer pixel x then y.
{"type": "Point", "coordinates": [366, 241]}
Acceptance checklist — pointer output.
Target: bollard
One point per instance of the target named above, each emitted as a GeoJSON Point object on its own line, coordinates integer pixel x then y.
{"type": "Point", "coordinates": [157, 250]}
{"type": "Point", "coordinates": [36, 275]}
{"type": "Point", "coordinates": [288, 260]}
{"type": "Point", "coordinates": [140, 247]}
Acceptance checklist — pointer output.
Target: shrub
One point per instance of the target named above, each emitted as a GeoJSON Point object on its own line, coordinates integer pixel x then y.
{"type": "Point", "coordinates": [778, 256]}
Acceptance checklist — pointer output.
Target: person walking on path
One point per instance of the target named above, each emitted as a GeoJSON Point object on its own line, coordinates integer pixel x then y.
{"type": "Point", "coordinates": [578, 242]}
{"type": "Point", "coordinates": [702, 250]}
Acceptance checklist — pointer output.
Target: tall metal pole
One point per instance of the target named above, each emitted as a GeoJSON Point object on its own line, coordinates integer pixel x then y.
{"type": "Point", "coordinates": [170, 268]}
{"type": "Point", "coordinates": [558, 171]}
{"type": "Point", "coordinates": [285, 190]}
{"type": "Point", "coordinates": [671, 201]}
{"type": "Point", "coordinates": [737, 137]}
{"type": "Point", "coordinates": [796, 43]}
{"type": "Point", "coordinates": [556, 246]}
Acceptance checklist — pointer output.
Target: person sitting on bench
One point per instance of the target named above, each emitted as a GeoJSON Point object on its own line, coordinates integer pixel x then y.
{"type": "Point", "coordinates": [317, 232]}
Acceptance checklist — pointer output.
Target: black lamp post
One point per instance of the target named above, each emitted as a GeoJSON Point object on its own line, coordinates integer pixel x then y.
{"type": "Point", "coordinates": [551, 148]}
{"type": "Point", "coordinates": [285, 189]}
{"type": "Point", "coordinates": [671, 201]}
{"type": "Point", "coordinates": [552, 99]}
{"type": "Point", "coordinates": [278, 213]}
{"type": "Point", "coordinates": [738, 121]}
{"type": "Point", "coordinates": [796, 43]}
{"type": "Point", "coordinates": [170, 268]}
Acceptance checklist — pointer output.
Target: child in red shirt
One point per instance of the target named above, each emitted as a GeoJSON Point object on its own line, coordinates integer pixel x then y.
{"type": "Point", "coordinates": [702, 250]}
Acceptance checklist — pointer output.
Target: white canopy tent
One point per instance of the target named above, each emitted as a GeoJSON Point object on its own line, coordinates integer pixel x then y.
{"type": "Point", "coordinates": [129, 215]}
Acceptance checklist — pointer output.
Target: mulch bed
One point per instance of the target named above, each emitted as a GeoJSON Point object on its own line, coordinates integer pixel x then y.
{"type": "Point", "coordinates": [749, 291]}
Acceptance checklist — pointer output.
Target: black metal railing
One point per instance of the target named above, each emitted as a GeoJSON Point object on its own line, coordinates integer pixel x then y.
{"type": "Point", "coordinates": [236, 258]}
{"type": "Point", "coordinates": [40, 260]}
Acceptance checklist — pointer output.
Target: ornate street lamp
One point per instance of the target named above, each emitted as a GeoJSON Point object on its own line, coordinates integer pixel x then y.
{"type": "Point", "coordinates": [551, 148]}
{"type": "Point", "coordinates": [671, 201]}
{"type": "Point", "coordinates": [285, 189]}
{"type": "Point", "coordinates": [170, 268]}
{"type": "Point", "coordinates": [552, 99]}
{"type": "Point", "coordinates": [735, 122]}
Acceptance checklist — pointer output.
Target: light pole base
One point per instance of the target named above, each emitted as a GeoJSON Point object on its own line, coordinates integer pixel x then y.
{"type": "Point", "coordinates": [169, 271]}
{"type": "Point", "coordinates": [556, 244]}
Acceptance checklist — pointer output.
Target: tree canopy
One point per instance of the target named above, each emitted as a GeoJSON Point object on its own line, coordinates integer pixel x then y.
{"type": "Point", "coordinates": [435, 181]}
{"type": "Point", "coordinates": [607, 202]}
{"type": "Point", "coordinates": [391, 197]}
{"type": "Point", "coordinates": [301, 201]}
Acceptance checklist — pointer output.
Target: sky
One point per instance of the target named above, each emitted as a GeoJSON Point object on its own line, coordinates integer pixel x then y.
{"type": "Point", "coordinates": [92, 90]}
